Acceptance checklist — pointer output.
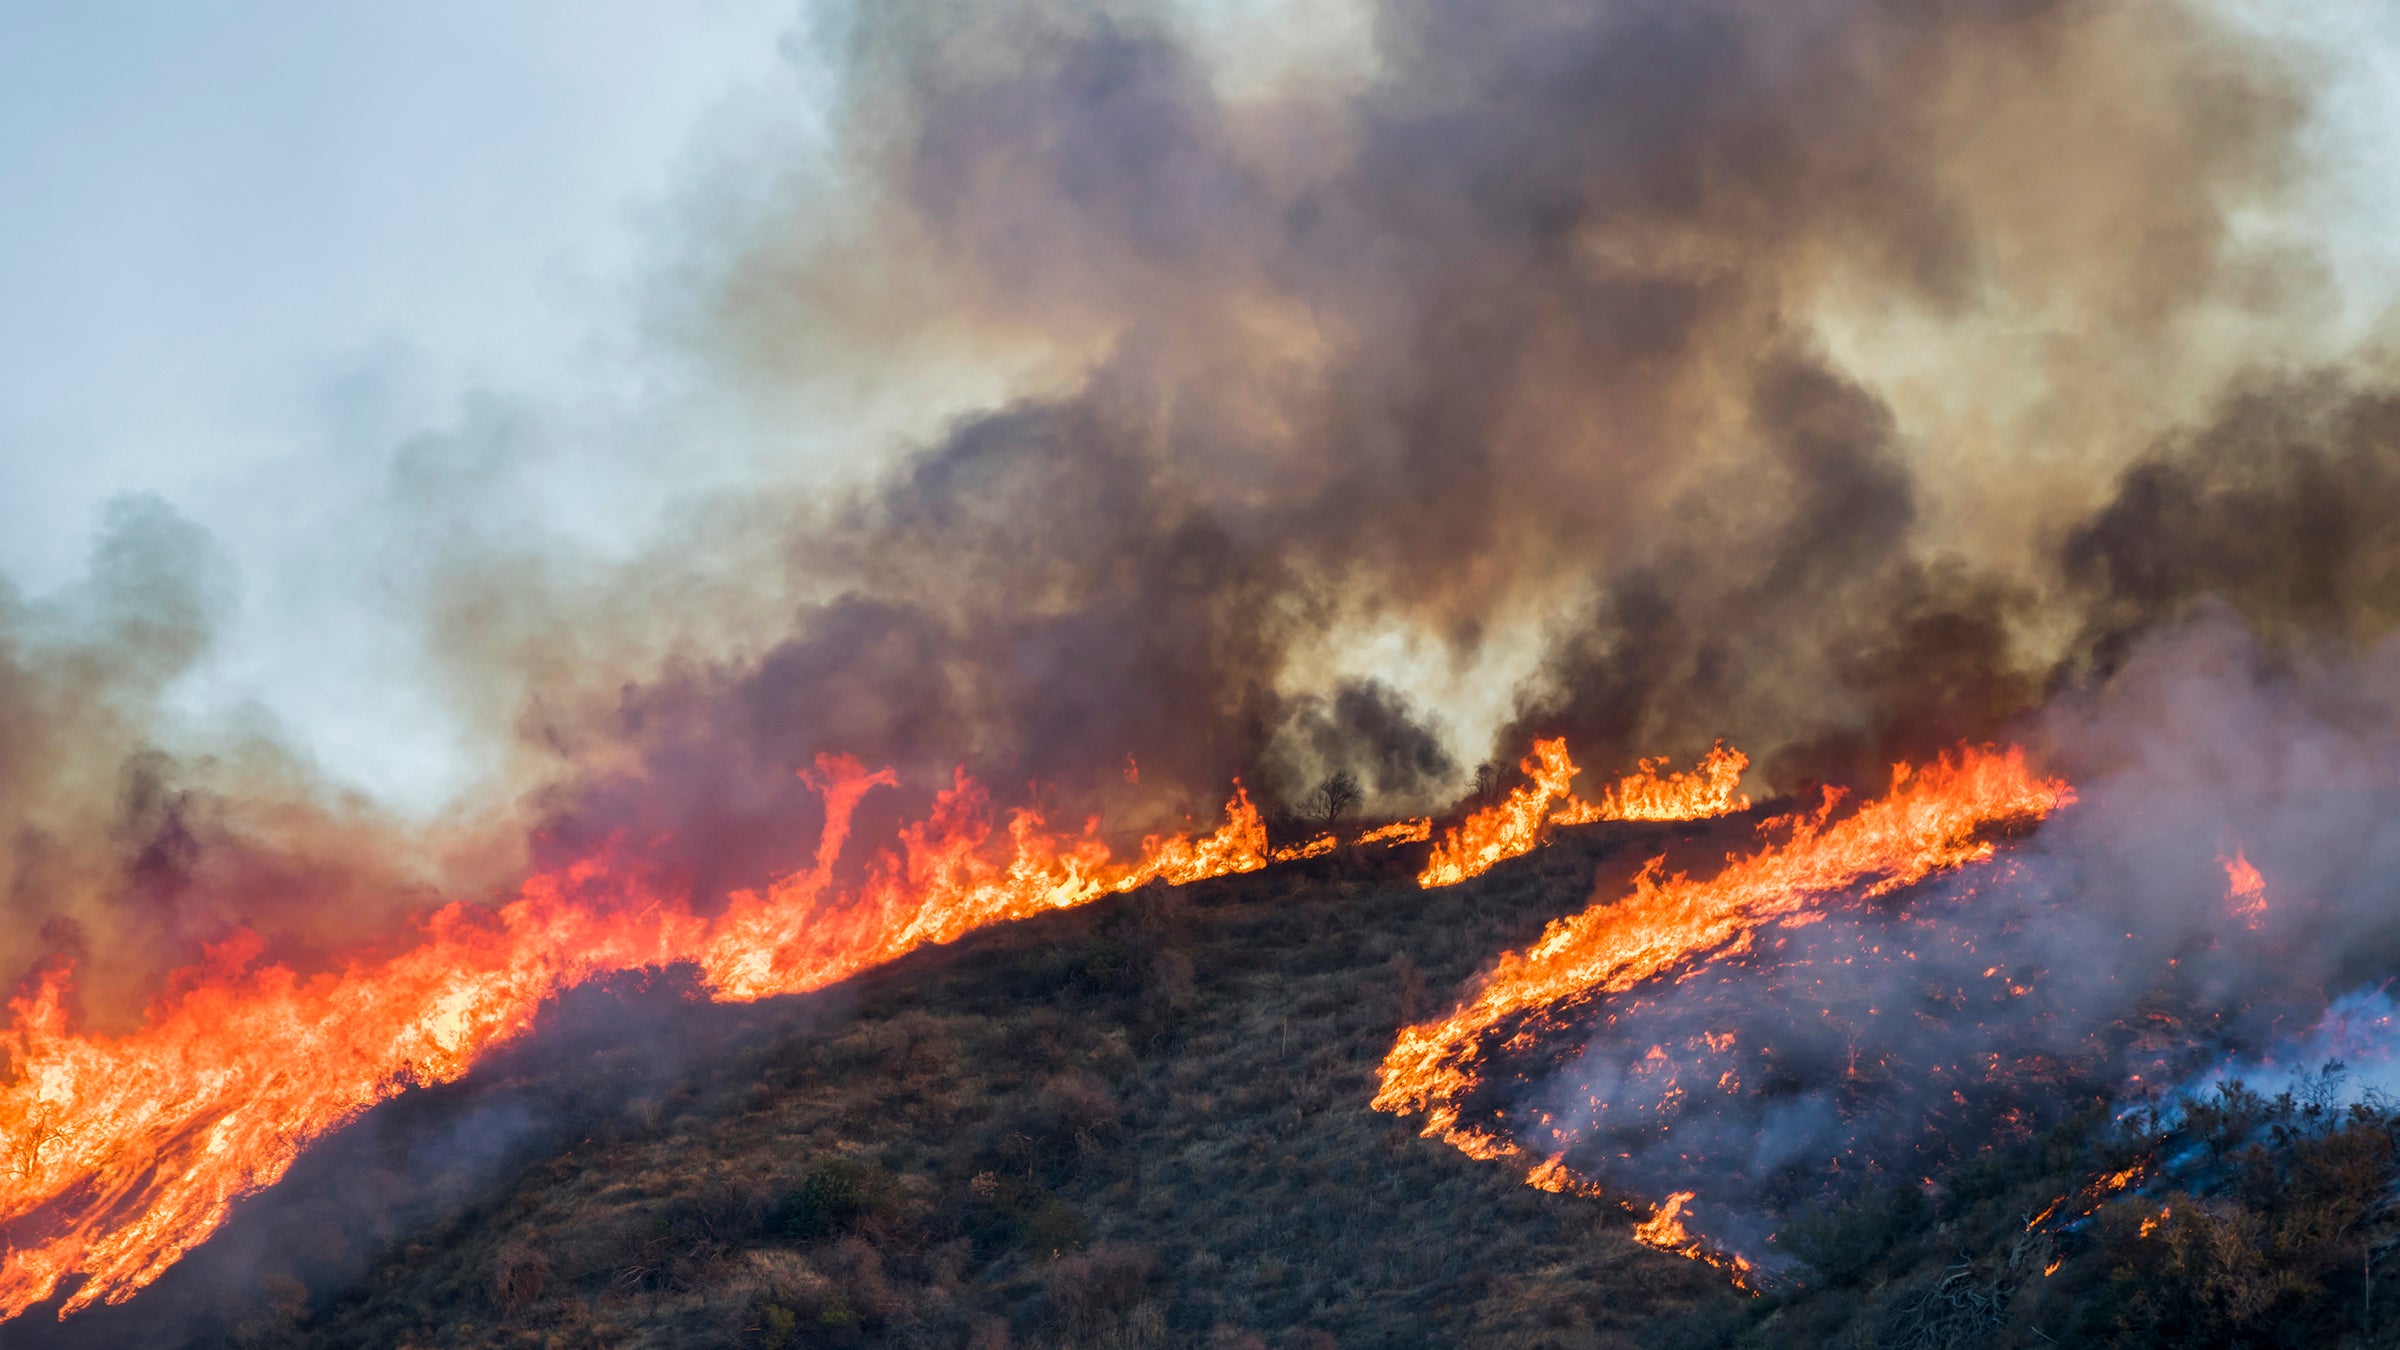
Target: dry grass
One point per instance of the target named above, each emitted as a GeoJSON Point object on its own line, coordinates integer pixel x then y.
{"type": "Point", "coordinates": [1142, 1124]}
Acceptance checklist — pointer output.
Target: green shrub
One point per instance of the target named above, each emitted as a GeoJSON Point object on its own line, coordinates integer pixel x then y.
{"type": "Point", "coordinates": [837, 1195]}
{"type": "Point", "coordinates": [1053, 1227]}
{"type": "Point", "coordinates": [1841, 1243]}
{"type": "Point", "coordinates": [776, 1324]}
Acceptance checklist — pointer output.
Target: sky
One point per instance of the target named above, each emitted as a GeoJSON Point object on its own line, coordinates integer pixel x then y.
{"type": "Point", "coordinates": [254, 252]}
{"type": "Point", "coordinates": [253, 247]}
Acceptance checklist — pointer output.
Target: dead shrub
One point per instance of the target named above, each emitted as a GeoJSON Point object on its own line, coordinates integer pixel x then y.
{"type": "Point", "coordinates": [520, 1271]}
{"type": "Point", "coordinates": [1077, 1106]}
{"type": "Point", "coordinates": [1169, 990]}
{"type": "Point", "coordinates": [1094, 1290]}
{"type": "Point", "coordinates": [856, 1270]}
{"type": "Point", "coordinates": [921, 1042]}
{"type": "Point", "coordinates": [722, 1208]}
{"type": "Point", "coordinates": [1408, 990]}
{"type": "Point", "coordinates": [839, 1195]}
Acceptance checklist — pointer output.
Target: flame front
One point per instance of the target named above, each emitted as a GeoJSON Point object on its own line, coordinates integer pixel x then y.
{"type": "Point", "coordinates": [1400, 832]}
{"type": "Point", "coordinates": [1712, 788]}
{"type": "Point", "coordinates": [1930, 820]}
{"type": "Point", "coordinates": [1664, 1230]}
{"type": "Point", "coordinates": [1515, 824]}
{"type": "Point", "coordinates": [124, 1152]}
{"type": "Point", "coordinates": [2245, 891]}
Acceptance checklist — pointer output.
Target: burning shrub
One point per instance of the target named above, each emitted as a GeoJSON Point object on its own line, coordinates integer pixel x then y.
{"type": "Point", "coordinates": [2188, 1271]}
{"type": "Point", "coordinates": [2265, 1232]}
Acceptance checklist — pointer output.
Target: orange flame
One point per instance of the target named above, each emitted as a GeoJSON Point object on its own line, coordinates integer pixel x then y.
{"type": "Point", "coordinates": [1400, 832]}
{"type": "Point", "coordinates": [122, 1152]}
{"type": "Point", "coordinates": [1507, 827]}
{"type": "Point", "coordinates": [1664, 1230]}
{"type": "Point", "coordinates": [2117, 1181]}
{"type": "Point", "coordinates": [1314, 848]}
{"type": "Point", "coordinates": [2245, 891]}
{"type": "Point", "coordinates": [1713, 788]}
{"type": "Point", "coordinates": [1930, 820]}
{"type": "Point", "coordinates": [1515, 824]}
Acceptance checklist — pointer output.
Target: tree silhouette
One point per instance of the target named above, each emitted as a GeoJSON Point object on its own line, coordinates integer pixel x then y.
{"type": "Point", "coordinates": [1336, 797]}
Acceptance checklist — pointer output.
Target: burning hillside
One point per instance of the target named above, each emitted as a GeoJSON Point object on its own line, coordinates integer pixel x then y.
{"type": "Point", "coordinates": [1093, 454]}
{"type": "Point", "coordinates": [1695, 963]}
{"type": "Point", "coordinates": [132, 1148]}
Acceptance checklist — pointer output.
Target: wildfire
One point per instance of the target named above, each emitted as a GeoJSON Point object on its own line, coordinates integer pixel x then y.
{"type": "Point", "coordinates": [1314, 848]}
{"type": "Point", "coordinates": [1400, 832]}
{"type": "Point", "coordinates": [124, 1152]}
{"type": "Point", "coordinates": [2245, 891]}
{"type": "Point", "coordinates": [1930, 820]}
{"type": "Point", "coordinates": [1664, 1230]}
{"type": "Point", "coordinates": [1516, 823]}
{"type": "Point", "coordinates": [1713, 788]}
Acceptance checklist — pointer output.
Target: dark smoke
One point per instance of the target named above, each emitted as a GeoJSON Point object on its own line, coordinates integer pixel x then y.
{"type": "Point", "coordinates": [2279, 507]}
{"type": "Point", "coordinates": [1512, 344]}
{"type": "Point", "coordinates": [1515, 344]}
{"type": "Point", "coordinates": [129, 837]}
{"type": "Point", "coordinates": [1367, 726]}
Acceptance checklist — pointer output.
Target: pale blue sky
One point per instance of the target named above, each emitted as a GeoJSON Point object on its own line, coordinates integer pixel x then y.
{"type": "Point", "coordinates": [220, 213]}
{"type": "Point", "coordinates": [248, 248]}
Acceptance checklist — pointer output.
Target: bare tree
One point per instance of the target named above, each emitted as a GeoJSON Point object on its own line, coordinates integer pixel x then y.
{"type": "Point", "coordinates": [1487, 783]}
{"type": "Point", "coordinates": [1336, 797]}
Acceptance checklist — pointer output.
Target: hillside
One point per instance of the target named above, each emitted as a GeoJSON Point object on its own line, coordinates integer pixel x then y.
{"type": "Point", "coordinates": [1139, 1123]}
{"type": "Point", "coordinates": [1144, 1123]}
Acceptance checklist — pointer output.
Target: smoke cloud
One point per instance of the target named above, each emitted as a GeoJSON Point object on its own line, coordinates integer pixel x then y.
{"type": "Point", "coordinates": [1542, 339]}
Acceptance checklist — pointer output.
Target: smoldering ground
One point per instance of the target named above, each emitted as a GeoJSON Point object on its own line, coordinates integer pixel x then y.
{"type": "Point", "coordinates": [2105, 960]}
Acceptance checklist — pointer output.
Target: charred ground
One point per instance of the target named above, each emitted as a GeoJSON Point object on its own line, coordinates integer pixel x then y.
{"type": "Point", "coordinates": [1145, 1124]}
